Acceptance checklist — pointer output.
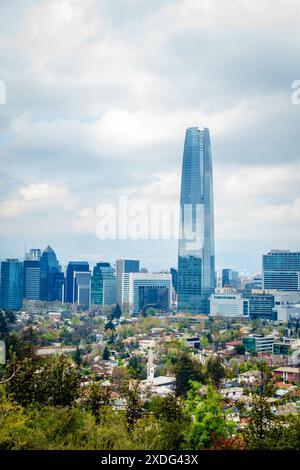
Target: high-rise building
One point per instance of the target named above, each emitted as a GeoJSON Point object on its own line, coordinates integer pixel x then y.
{"type": "Point", "coordinates": [50, 274]}
{"type": "Point", "coordinates": [32, 272]}
{"type": "Point", "coordinates": [255, 283]}
{"type": "Point", "coordinates": [124, 266]}
{"type": "Point", "coordinates": [196, 252]}
{"type": "Point", "coordinates": [261, 305]}
{"type": "Point", "coordinates": [82, 288]}
{"type": "Point", "coordinates": [174, 274]}
{"type": "Point", "coordinates": [144, 290]}
{"type": "Point", "coordinates": [281, 270]}
{"type": "Point", "coordinates": [11, 291]}
{"type": "Point", "coordinates": [286, 306]}
{"type": "Point", "coordinates": [58, 286]}
{"type": "Point", "coordinates": [230, 278]}
{"type": "Point", "coordinates": [103, 285]}
{"type": "Point", "coordinates": [73, 267]}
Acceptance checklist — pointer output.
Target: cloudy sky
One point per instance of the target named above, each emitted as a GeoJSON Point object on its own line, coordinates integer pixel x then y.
{"type": "Point", "coordinates": [98, 96]}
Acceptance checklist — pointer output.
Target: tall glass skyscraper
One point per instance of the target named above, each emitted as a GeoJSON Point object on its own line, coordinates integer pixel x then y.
{"type": "Point", "coordinates": [74, 267]}
{"type": "Point", "coordinates": [281, 270]}
{"type": "Point", "coordinates": [11, 286]}
{"type": "Point", "coordinates": [31, 268]}
{"type": "Point", "coordinates": [125, 266]}
{"type": "Point", "coordinates": [196, 251]}
{"type": "Point", "coordinates": [103, 285]}
{"type": "Point", "coordinates": [51, 277]}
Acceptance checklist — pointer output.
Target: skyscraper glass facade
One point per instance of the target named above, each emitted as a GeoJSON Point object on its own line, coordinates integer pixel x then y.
{"type": "Point", "coordinates": [103, 285]}
{"type": "Point", "coordinates": [32, 272]}
{"type": "Point", "coordinates": [196, 253]}
{"type": "Point", "coordinates": [281, 270]}
{"type": "Point", "coordinates": [230, 278]}
{"type": "Point", "coordinates": [31, 279]}
{"type": "Point", "coordinates": [49, 269]}
{"type": "Point", "coordinates": [82, 288]}
{"type": "Point", "coordinates": [125, 266]}
{"type": "Point", "coordinates": [11, 287]}
{"type": "Point", "coordinates": [73, 267]}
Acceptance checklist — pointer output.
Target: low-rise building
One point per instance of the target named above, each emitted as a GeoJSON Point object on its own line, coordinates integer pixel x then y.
{"type": "Point", "coordinates": [288, 374]}
{"type": "Point", "coordinates": [249, 377]}
{"type": "Point", "coordinates": [232, 393]}
{"type": "Point", "coordinates": [258, 343]}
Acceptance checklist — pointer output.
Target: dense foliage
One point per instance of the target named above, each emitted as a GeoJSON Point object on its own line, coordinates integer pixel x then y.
{"type": "Point", "coordinates": [43, 406]}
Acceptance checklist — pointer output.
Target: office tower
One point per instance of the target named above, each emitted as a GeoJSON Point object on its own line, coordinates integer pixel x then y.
{"type": "Point", "coordinates": [255, 283]}
{"type": "Point", "coordinates": [174, 274]}
{"type": "Point", "coordinates": [11, 292]}
{"type": "Point", "coordinates": [32, 272]}
{"type": "Point", "coordinates": [125, 266]}
{"type": "Point", "coordinates": [50, 272]}
{"type": "Point", "coordinates": [230, 278]}
{"type": "Point", "coordinates": [145, 290]}
{"type": "Point", "coordinates": [228, 305]}
{"type": "Point", "coordinates": [196, 252]}
{"type": "Point", "coordinates": [82, 293]}
{"type": "Point", "coordinates": [287, 306]}
{"type": "Point", "coordinates": [261, 305]}
{"type": "Point", "coordinates": [31, 279]}
{"type": "Point", "coordinates": [258, 343]}
{"type": "Point", "coordinates": [103, 285]}
{"type": "Point", "coordinates": [281, 270]}
{"type": "Point", "coordinates": [73, 266]}
{"type": "Point", "coordinates": [58, 286]}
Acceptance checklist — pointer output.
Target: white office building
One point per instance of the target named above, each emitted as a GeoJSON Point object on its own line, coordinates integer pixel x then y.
{"type": "Point", "coordinates": [228, 304]}
{"type": "Point", "coordinates": [144, 290]}
{"type": "Point", "coordinates": [286, 306]}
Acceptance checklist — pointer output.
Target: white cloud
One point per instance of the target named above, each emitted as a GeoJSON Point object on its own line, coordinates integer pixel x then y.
{"type": "Point", "coordinates": [39, 196]}
{"type": "Point", "coordinates": [235, 14]}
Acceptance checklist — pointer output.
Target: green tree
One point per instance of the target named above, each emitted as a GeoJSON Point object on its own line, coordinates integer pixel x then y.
{"type": "Point", "coordinates": [215, 370]}
{"type": "Point", "coordinates": [284, 435]}
{"type": "Point", "coordinates": [109, 325]}
{"type": "Point", "coordinates": [106, 354]}
{"type": "Point", "coordinates": [168, 408]}
{"type": "Point", "coordinates": [77, 356]}
{"type": "Point", "coordinates": [261, 421]}
{"type": "Point", "coordinates": [134, 405]}
{"type": "Point", "coordinates": [240, 349]}
{"type": "Point", "coordinates": [168, 412]}
{"type": "Point", "coordinates": [120, 379]}
{"type": "Point", "coordinates": [117, 312]}
{"type": "Point", "coordinates": [54, 380]}
{"type": "Point", "coordinates": [208, 422]}
{"type": "Point", "coordinates": [137, 367]}
{"type": "Point", "coordinates": [99, 397]}
{"type": "Point", "coordinates": [186, 371]}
